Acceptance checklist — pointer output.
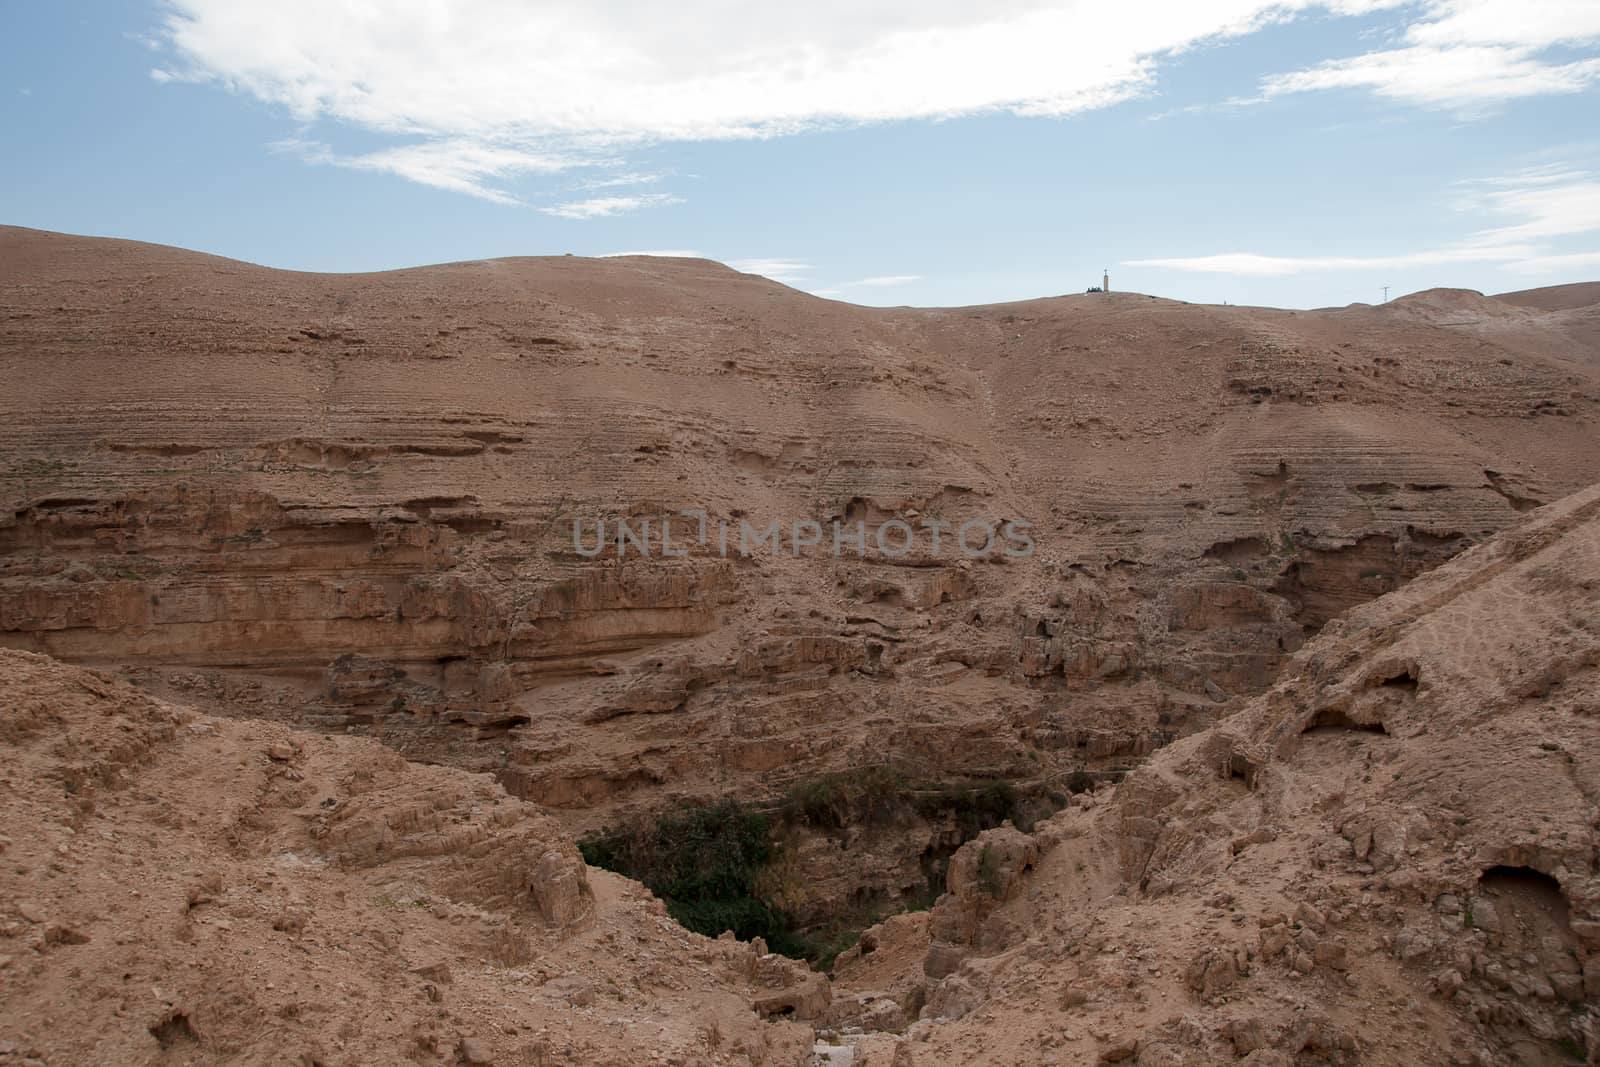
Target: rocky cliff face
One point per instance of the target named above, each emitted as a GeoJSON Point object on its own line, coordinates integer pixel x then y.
{"type": "Point", "coordinates": [1390, 857]}
{"type": "Point", "coordinates": [348, 501]}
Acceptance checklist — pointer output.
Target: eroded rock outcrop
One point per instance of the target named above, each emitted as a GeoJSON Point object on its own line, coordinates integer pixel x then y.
{"type": "Point", "coordinates": [348, 503]}
{"type": "Point", "coordinates": [176, 886]}
{"type": "Point", "coordinates": [1388, 858]}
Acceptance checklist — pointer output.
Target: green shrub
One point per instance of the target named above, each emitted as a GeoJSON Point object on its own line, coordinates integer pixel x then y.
{"type": "Point", "coordinates": [975, 808]}
{"type": "Point", "coordinates": [703, 862]}
{"type": "Point", "coordinates": [835, 801]}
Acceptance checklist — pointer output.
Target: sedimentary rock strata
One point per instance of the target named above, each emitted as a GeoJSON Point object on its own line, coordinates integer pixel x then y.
{"type": "Point", "coordinates": [1387, 858]}
{"type": "Point", "coordinates": [347, 502]}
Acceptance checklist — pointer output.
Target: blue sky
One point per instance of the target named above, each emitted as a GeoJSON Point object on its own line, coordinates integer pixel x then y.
{"type": "Point", "coordinates": [1292, 153]}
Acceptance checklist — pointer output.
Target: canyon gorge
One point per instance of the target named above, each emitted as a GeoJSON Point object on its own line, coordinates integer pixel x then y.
{"type": "Point", "coordinates": [1289, 713]}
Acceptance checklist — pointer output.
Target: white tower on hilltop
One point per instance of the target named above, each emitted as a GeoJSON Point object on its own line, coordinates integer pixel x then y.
{"type": "Point", "coordinates": [1105, 280]}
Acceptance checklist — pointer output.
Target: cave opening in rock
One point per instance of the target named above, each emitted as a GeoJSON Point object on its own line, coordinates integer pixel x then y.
{"type": "Point", "coordinates": [1406, 680]}
{"type": "Point", "coordinates": [1528, 923]}
{"type": "Point", "coordinates": [1331, 720]}
{"type": "Point", "coordinates": [1242, 769]}
{"type": "Point", "coordinates": [1527, 889]}
{"type": "Point", "coordinates": [174, 1030]}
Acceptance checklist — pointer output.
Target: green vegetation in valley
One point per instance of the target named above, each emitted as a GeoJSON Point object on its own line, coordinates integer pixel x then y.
{"type": "Point", "coordinates": [706, 861]}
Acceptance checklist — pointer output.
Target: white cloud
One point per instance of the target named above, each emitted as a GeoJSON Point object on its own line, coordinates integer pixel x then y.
{"type": "Point", "coordinates": [1469, 55]}
{"type": "Point", "coordinates": [888, 279]}
{"type": "Point", "coordinates": [457, 165]}
{"type": "Point", "coordinates": [880, 281]}
{"type": "Point", "coordinates": [1552, 264]}
{"type": "Point", "coordinates": [1463, 78]}
{"type": "Point", "coordinates": [1546, 210]}
{"type": "Point", "coordinates": [779, 270]}
{"type": "Point", "coordinates": [1252, 264]}
{"type": "Point", "coordinates": [689, 71]}
{"type": "Point", "coordinates": [605, 206]}
{"type": "Point", "coordinates": [1523, 23]}
{"type": "Point", "coordinates": [1547, 204]}
{"type": "Point", "coordinates": [618, 181]}
{"type": "Point", "coordinates": [476, 82]}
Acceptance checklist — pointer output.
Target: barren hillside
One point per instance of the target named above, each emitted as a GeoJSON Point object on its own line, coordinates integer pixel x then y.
{"type": "Point", "coordinates": [185, 890]}
{"type": "Point", "coordinates": [1390, 857]}
{"type": "Point", "coordinates": [346, 502]}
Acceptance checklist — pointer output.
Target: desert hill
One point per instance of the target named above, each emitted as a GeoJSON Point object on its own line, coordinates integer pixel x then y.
{"type": "Point", "coordinates": [178, 889]}
{"type": "Point", "coordinates": [1390, 857]}
{"type": "Point", "coordinates": [344, 502]}
{"type": "Point", "coordinates": [1556, 297]}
